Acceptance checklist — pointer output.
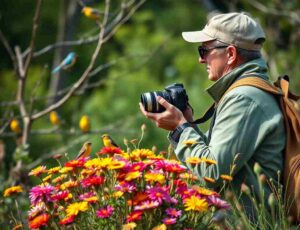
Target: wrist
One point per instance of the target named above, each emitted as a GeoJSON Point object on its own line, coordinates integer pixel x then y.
{"type": "Point", "coordinates": [175, 134]}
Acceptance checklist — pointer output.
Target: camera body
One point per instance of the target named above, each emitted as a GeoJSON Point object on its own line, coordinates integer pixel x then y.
{"type": "Point", "coordinates": [174, 94]}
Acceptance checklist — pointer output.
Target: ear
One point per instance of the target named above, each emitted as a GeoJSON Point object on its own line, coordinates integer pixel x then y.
{"type": "Point", "coordinates": [231, 55]}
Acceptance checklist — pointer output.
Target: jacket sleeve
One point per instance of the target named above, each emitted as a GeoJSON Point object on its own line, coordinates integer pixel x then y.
{"type": "Point", "coordinates": [236, 131]}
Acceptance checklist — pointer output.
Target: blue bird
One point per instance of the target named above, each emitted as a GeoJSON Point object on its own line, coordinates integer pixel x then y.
{"type": "Point", "coordinates": [67, 63]}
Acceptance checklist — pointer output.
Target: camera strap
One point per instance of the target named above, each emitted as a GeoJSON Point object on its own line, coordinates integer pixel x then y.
{"type": "Point", "coordinates": [207, 115]}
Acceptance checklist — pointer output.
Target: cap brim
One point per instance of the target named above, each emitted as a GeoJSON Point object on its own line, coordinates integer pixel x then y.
{"type": "Point", "coordinates": [196, 36]}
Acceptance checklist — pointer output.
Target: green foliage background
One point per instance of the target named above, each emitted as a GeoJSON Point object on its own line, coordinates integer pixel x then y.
{"type": "Point", "coordinates": [147, 53]}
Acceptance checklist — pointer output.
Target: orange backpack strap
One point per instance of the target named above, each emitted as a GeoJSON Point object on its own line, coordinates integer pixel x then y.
{"type": "Point", "coordinates": [256, 82]}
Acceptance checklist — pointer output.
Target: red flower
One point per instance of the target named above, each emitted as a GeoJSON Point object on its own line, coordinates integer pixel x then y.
{"type": "Point", "coordinates": [76, 163]}
{"type": "Point", "coordinates": [133, 216]}
{"type": "Point", "coordinates": [92, 180]}
{"type": "Point", "coordinates": [67, 220]}
{"type": "Point", "coordinates": [60, 195]}
{"type": "Point", "coordinates": [110, 150]}
{"type": "Point", "coordinates": [41, 220]}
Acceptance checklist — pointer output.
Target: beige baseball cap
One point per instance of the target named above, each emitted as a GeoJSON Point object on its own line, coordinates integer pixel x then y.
{"type": "Point", "coordinates": [231, 28]}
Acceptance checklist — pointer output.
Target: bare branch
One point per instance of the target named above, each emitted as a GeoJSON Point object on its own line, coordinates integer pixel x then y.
{"type": "Point", "coordinates": [84, 76]}
{"type": "Point", "coordinates": [118, 21]}
{"type": "Point", "coordinates": [293, 16]}
{"type": "Point", "coordinates": [33, 35]}
{"type": "Point", "coordinates": [9, 50]}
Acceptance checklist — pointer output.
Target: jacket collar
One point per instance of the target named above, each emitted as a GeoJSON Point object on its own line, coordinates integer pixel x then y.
{"type": "Point", "coordinates": [257, 67]}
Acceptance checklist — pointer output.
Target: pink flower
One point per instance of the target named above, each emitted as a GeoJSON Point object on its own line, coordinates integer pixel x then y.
{"type": "Point", "coordinates": [136, 166]}
{"type": "Point", "coordinates": [146, 205]}
{"type": "Point", "coordinates": [125, 186]}
{"type": "Point", "coordinates": [219, 203]}
{"type": "Point", "coordinates": [173, 212]}
{"type": "Point", "coordinates": [169, 221]}
{"type": "Point", "coordinates": [40, 193]}
{"type": "Point", "coordinates": [105, 212]}
{"type": "Point", "coordinates": [160, 194]}
{"type": "Point", "coordinates": [92, 180]}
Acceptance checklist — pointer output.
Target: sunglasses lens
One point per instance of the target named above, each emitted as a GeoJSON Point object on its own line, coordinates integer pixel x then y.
{"type": "Point", "coordinates": [201, 51]}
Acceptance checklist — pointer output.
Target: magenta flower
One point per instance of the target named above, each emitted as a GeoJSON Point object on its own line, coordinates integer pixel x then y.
{"type": "Point", "coordinates": [136, 166]}
{"type": "Point", "coordinates": [60, 195]}
{"type": "Point", "coordinates": [219, 203]}
{"type": "Point", "coordinates": [40, 193]}
{"type": "Point", "coordinates": [105, 212]}
{"type": "Point", "coordinates": [160, 194]}
{"type": "Point", "coordinates": [173, 212]}
{"type": "Point", "coordinates": [169, 221]}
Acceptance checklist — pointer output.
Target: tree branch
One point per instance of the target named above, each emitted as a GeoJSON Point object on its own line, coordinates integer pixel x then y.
{"type": "Point", "coordinates": [9, 50]}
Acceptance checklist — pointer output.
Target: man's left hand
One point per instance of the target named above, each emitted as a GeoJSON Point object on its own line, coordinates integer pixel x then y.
{"type": "Point", "coordinates": [169, 119]}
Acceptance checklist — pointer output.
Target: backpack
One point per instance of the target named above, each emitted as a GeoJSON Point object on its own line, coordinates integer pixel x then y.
{"type": "Point", "coordinates": [291, 112]}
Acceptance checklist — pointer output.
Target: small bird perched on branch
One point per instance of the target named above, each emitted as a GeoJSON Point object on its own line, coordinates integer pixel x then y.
{"type": "Point", "coordinates": [67, 63]}
{"type": "Point", "coordinates": [108, 141]}
{"type": "Point", "coordinates": [85, 150]}
{"type": "Point", "coordinates": [15, 126]}
{"type": "Point", "coordinates": [54, 118]}
{"type": "Point", "coordinates": [91, 13]}
{"type": "Point", "coordinates": [84, 124]}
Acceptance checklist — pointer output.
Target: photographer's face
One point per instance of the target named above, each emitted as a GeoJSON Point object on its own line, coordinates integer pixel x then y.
{"type": "Point", "coordinates": [215, 60]}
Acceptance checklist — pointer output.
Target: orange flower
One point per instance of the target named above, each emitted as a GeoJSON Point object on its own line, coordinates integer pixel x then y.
{"type": "Point", "coordinates": [41, 220]}
{"type": "Point", "coordinates": [226, 177]}
{"type": "Point", "coordinates": [209, 180]}
{"type": "Point", "coordinates": [53, 170]}
{"type": "Point", "coordinates": [209, 161]}
{"type": "Point", "coordinates": [188, 175]}
{"type": "Point", "coordinates": [203, 191]}
{"type": "Point", "coordinates": [12, 190]}
{"type": "Point", "coordinates": [189, 143]}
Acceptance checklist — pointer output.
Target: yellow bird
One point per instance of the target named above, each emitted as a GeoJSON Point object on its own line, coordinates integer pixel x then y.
{"type": "Point", "coordinates": [91, 13]}
{"type": "Point", "coordinates": [15, 126]}
{"type": "Point", "coordinates": [108, 141]}
{"type": "Point", "coordinates": [85, 150]}
{"type": "Point", "coordinates": [84, 124]}
{"type": "Point", "coordinates": [54, 118]}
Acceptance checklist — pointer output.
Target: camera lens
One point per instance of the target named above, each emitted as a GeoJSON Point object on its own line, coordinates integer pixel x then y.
{"type": "Point", "coordinates": [150, 103]}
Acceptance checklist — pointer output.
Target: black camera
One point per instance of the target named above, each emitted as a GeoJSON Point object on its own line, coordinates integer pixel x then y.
{"type": "Point", "coordinates": [174, 94]}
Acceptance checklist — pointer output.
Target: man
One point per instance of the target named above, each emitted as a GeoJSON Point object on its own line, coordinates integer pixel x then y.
{"type": "Point", "coordinates": [247, 121]}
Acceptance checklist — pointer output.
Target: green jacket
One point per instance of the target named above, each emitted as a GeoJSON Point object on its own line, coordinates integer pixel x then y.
{"type": "Point", "coordinates": [248, 121]}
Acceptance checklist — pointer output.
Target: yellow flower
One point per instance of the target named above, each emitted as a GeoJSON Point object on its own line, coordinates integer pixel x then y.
{"type": "Point", "coordinates": [11, 190]}
{"type": "Point", "coordinates": [115, 164]}
{"type": "Point", "coordinates": [226, 177]}
{"type": "Point", "coordinates": [155, 177]}
{"type": "Point", "coordinates": [59, 178]}
{"type": "Point", "coordinates": [118, 194]}
{"type": "Point", "coordinates": [193, 160]}
{"type": "Point", "coordinates": [129, 226]}
{"type": "Point", "coordinates": [54, 170]}
{"type": "Point", "coordinates": [38, 171]}
{"type": "Point", "coordinates": [189, 143]}
{"type": "Point", "coordinates": [132, 175]}
{"type": "Point", "coordinates": [196, 204]}
{"type": "Point", "coordinates": [84, 124]}
{"type": "Point", "coordinates": [209, 161]}
{"type": "Point", "coordinates": [68, 184]}
{"type": "Point", "coordinates": [65, 170]}
{"type": "Point", "coordinates": [160, 227]}
{"type": "Point", "coordinates": [98, 163]}
{"type": "Point", "coordinates": [47, 178]}
{"type": "Point", "coordinates": [75, 208]}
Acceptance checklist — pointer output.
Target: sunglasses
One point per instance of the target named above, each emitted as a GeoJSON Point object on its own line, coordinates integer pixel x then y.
{"type": "Point", "coordinates": [203, 51]}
